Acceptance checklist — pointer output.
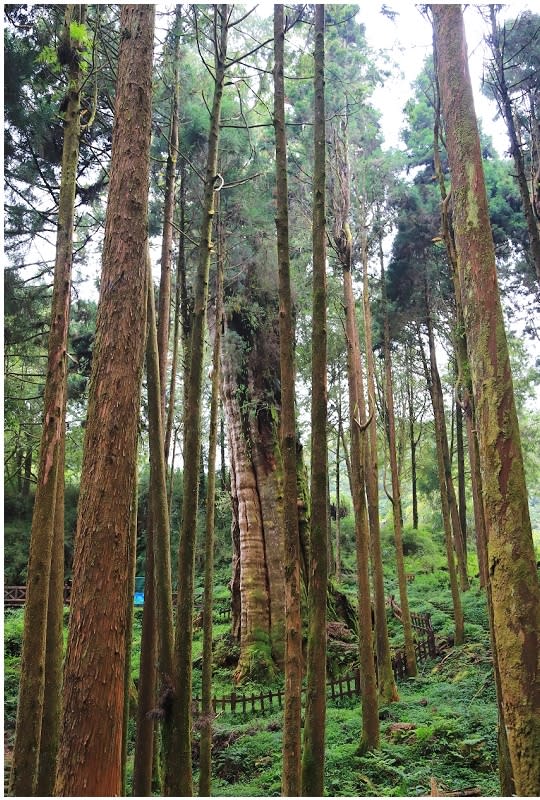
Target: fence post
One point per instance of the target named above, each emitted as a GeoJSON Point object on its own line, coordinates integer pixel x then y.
{"type": "Point", "coordinates": [233, 701]}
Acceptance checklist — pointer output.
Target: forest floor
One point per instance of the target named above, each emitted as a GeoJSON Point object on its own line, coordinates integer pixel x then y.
{"type": "Point", "coordinates": [443, 729]}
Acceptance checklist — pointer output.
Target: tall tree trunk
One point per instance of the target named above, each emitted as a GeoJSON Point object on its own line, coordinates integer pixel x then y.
{"type": "Point", "coordinates": [413, 441]}
{"type": "Point", "coordinates": [179, 780]}
{"type": "Point", "coordinates": [396, 489]}
{"type": "Point", "coordinates": [90, 754]}
{"type": "Point", "coordinates": [502, 94]}
{"type": "Point", "coordinates": [315, 715]}
{"type": "Point", "coordinates": [179, 303]}
{"type": "Point", "coordinates": [159, 529]}
{"type": "Point", "coordinates": [460, 461]}
{"type": "Point", "coordinates": [292, 739]}
{"type": "Point", "coordinates": [33, 663]}
{"type": "Point", "coordinates": [437, 400]}
{"type": "Point", "coordinates": [445, 503]}
{"type": "Point", "coordinates": [338, 484]}
{"type": "Point", "coordinates": [513, 581]}
{"type": "Point", "coordinates": [129, 687]}
{"type": "Point", "coordinates": [387, 685]}
{"type": "Point", "coordinates": [358, 437]}
{"type": "Point", "coordinates": [163, 321]}
{"type": "Point", "coordinates": [205, 763]}
{"type": "Point", "coordinates": [54, 652]}
{"type": "Point", "coordinates": [144, 733]}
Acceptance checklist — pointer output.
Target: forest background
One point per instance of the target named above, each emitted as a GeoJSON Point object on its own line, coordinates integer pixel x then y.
{"type": "Point", "coordinates": [393, 191]}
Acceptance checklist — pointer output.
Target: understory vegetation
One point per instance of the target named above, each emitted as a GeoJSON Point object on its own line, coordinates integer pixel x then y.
{"type": "Point", "coordinates": [443, 727]}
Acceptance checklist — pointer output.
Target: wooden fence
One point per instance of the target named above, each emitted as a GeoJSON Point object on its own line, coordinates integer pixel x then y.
{"type": "Point", "coordinates": [346, 686]}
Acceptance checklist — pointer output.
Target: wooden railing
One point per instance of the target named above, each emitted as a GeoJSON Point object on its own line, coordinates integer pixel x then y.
{"type": "Point", "coordinates": [15, 597]}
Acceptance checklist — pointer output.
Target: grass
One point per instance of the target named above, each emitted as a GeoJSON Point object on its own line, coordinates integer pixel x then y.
{"type": "Point", "coordinates": [444, 725]}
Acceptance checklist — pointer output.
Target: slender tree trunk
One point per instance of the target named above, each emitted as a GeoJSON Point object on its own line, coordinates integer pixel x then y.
{"type": "Point", "coordinates": [435, 389]}
{"type": "Point", "coordinates": [159, 528]}
{"type": "Point", "coordinates": [315, 715]}
{"type": "Point", "coordinates": [33, 663]}
{"type": "Point", "coordinates": [90, 754]}
{"type": "Point", "coordinates": [387, 686]}
{"type": "Point", "coordinates": [52, 702]}
{"type": "Point", "coordinates": [502, 94]}
{"type": "Point", "coordinates": [413, 442]}
{"type": "Point", "coordinates": [178, 779]}
{"type": "Point", "coordinates": [396, 491]}
{"type": "Point", "coordinates": [513, 581]}
{"type": "Point", "coordinates": [180, 302]}
{"type": "Point", "coordinates": [129, 687]}
{"type": "Point", "coordinates": [205, 761]}
{"type": "Point", "coordinates": [445, 505]}
{"type": "Point", "coordinates": [292, 740]}
{"type": "Point", "coordinates": [164, 310]}
{"type": "Point", "coordinates": [460, 460]}
{"type": "Point", "coordinates": [338, 484]}
{"type": "Point", "coordinates": [370, 711]}
{"type": "Point", "coordinates": [144, 736]}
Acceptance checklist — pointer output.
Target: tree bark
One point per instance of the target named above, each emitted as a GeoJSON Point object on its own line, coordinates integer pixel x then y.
{"type": "Point", "coordinates": [396, 490]}
{"type": "Point", "coordinates": [164, 310]}
{"type": "Point", "coordinates": [292, 738]}
{"type": "Point", "coordinates": [459, 627]}
{"type": "Point", "coordinates": [511, 562]}
{"type": "Point", "coordinates": [315, 714]}
{"type": "Point", "coordinates": [205, 761]}
{"type": "Point", "coordinates": [387, 686]}
{"type": "Point", "coordinates": [54, 652]}
{"type": "Point", "coordinates": [30, 710]}
{"type": "Point", "coordinates": [501, 90]}
{"type": "Point", "coordinates": [179, 780]}
{"type": "Point", "coordinates": [90, 755]}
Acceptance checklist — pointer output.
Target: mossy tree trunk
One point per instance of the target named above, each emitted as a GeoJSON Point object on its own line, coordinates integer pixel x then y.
{"type": "Point", "coordinates": [513, 582]}
{"type": "Point", "coordinates": [438, 411]}
{"type": "Point", "coordinates": [251, 398]}
{"type": "Point", "coordinates": [179, 777]}
{"type": "Point", "coordinates": [441, 438]}
{"type": "Point", "coordinates": [54, 652]}
{"type": "Point", "coordinates": [292, 739]}
{"type": "Point", "coordinates": [358, 438]}
{"type": "Point", "coordinates": [387, 686]}
{"type": "Point", "coordinates": [49, 495]}
{"type": "Point", "coordinates": [90, 756]}
{"type": "Point", "coordinates": [315, 714]}
{"type": "Point", "coordinates": [396, 489]}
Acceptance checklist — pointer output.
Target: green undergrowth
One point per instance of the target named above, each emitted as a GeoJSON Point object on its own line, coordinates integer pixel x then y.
{"type": "Point", "coordinates": [443, 727]}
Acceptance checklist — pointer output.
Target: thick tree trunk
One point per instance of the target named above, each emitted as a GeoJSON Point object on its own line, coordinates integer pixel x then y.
{"type": "Point", "coordinates": [256, 489]}
{"type": "Point", "coordinates": [396, 489]}
{"type": "Point", "coordinates": [179, 779]}
{"type": "Point", "coordinates": [33, 663]}
{"type": "Point", "coordinates": [315, 715]}
{"type": "Point", "coordinates": [90, 755]}
{"type": "Point", "coordinates": [513, 581]}
{"type": "Point", "coordinates": [292, 737]}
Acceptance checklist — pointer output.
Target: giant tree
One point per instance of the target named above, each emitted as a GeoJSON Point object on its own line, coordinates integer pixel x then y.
{"type": "Point", "coordinates": [513, 582]}
{"type": "Point", "coordinates": [90, 756]}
